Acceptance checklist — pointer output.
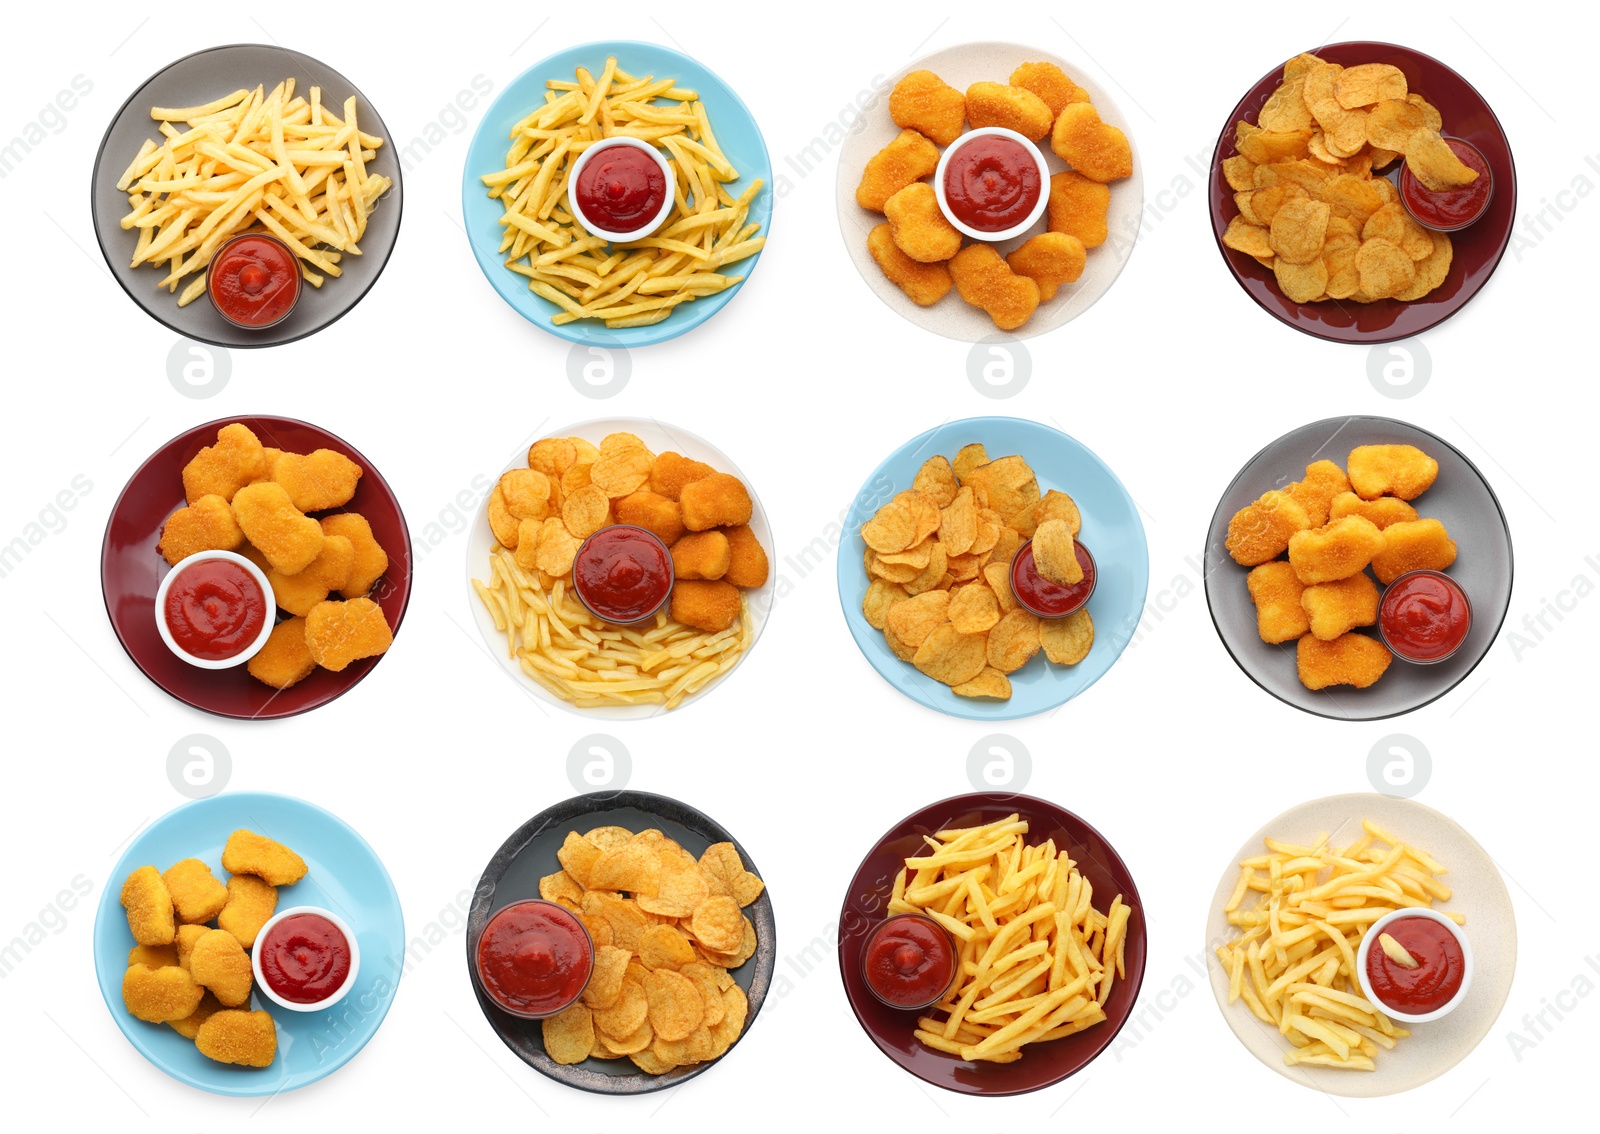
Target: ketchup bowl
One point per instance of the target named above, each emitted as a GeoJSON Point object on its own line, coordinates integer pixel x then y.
{"type": "Point", "coordinates": [533, 959]}
{"type": "Point", "coordinates": [909, 962]}
{"type": "Point", "coordinates": [1449, 950]}
{"type": "Point", "coordinates": [1449, 210]}
{"type": "Point", "coordinates": [1424, 617]}
{"type": "Point", "coordinates": [1009, 147]}
{"type": "Point", "coordinates": [1044, 599]}
{"type": "Point", "coordinates": [204, 614]}
{"type": "Point", "coordinates": [623, 574]}
{"type": "Point", "coordinates": [305, 959]}
{"type": "Point", "coordinates": [579, 184]}
{"type": "Point", "coordinates": [254, 281]}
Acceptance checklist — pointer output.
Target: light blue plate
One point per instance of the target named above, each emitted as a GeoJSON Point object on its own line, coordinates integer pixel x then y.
{"type": "Point", "coordinates": [345, 876]}
{"type": "Point", "coordinates": [1111, 530]}
{"type": "Point", "coordinates": [737, 134]}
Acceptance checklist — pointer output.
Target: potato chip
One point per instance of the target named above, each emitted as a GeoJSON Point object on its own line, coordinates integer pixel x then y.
{"type": "Point", "coordinates": [936, 479]}
{"type": "Point", "coordinates": [605, 838]}
{"type": "Point", "coordinates": [1054, 554]}
{"type": "Point", "coordinates": [1368, 83]}
{"type": "Point", "coordinates": [641, 1038]}
{"type": "Point", "coordinates": [912, 620]}
{"type": "Point", "coordinates": [1285, 109]}
{"type": "Point", "coordinates": [577, 856]}
{"type": "Point", "coordinates": [958, 525]}
{"type": "Point", "coordinates": [881, 595]}
{"type": "Point", "coordinates": [1298, 229]}
{"type": "Point", "coordinates": [675, 1008]}
{"type": "Point", "coordinates": [967, 458]}
{"type": "Point", "coordinates": [746, 950]}
{"type": "Point", "coordinates": [558, 886]}
{"type": "Point", "coordinates": [990, 682]}
{"type": "Point", "coordinates": [716, 924]}
{"type": "Point", "coordinates": [703, 976]}
{"type": "Point", "coordinates": [892, 528]}
{"type": "Point", "coordinates": [973, 608]}
{"type": "Point", "coordinates": [631, 867]}
{"type": "Point", "coordinates": [1243, 236]}
{"type": "Point", "coordinates": [627, 921]}
{"type": "Point", "coordinates": [627, 1013]}
{"type": "Point", "coordinates": [1066, 641]}
{"type": "Point", "coordinates": [1238, 172]}
{"type": "Point", "coordinates": [683, 888]}
{"type": "Point", "coordinates": [1385, 269]}
{"type": "Point", "coordinates": [621, 469]}
{"type": "Point", "coordinates": [606, 977]}
{"type": "Point", "coordinates": [1303, 283]}
{"type": "Point", "coordinates": [558, 547]}
{"type": "Point", "coordinates": [1430, 158]}
{"type": "Point", "coordinates": [569, 1034]}
{"type": "Point", "coordinates": [930, 576]}
{"type": "Point", "coordinates": [949, 656]}
{"type": "Point", "coordinates": [664, 947]}
{"type": "Point", "coordinates": [1265, 203]}
{"type": "Point", "coordinates": [722, 860]}
{"type": "Point", "coordinates": [586, 511]}
{"type": "Point", "coordinates": [552, 455]}
{"type": "Point", "coordinates": [1012, 641]}
{"type": "Point", "coordinates": [526, 493]}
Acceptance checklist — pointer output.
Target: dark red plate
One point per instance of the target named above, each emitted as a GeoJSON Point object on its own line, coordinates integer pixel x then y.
{"type": "Point", "coordinates": [1477, 249]}
{"type": "Point", "coordinates": [1041, 1064]}
{"type": "Point", "coordinates": [131, 568]}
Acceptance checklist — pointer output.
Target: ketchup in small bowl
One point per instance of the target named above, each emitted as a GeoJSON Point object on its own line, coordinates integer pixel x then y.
{"type": "Point", "coordinates": [1415, 964]}
{"type": "Point", "coordinates": [1449, 210]}
{"type": "Point", "coordinates": [909, 962]}
{"type": "Point", "coordinates": [1424, 617]}
{"type": "Point", "coordinates": [1044, 599]}
{"type": "Point", "coordinates": [534, 959]}
{"type": "Point", "coordinates": [305, 959]}
{"type": "Point", "coordinates": [254, 281]}
{"type": "Point", "coordinates": [215, 609]}
{"type": "Point", "coordinates": [622, 574]}
{"type": "Point", "coordinates": [992, 184]}
{"type": "Point", "coordinates": [621, 189]}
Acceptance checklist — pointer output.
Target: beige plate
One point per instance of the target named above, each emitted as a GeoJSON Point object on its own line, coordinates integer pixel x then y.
{"type": "Point", "coordinates": [1480, 894]}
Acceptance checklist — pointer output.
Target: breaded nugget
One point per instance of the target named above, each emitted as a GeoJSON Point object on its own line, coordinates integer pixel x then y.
{"type": "Point", "coordinates": [285, 659]}
{"type": "Point", "coordinates": [919, 227]}
{"type": "Point", "coordinates": [1049, 259]}
{"type": "Point", "coordinates": [153, 956]}
{"type": "Point", "coordinates": [1338, 607]}
{"type": "Point", "coordinates": [197, 895]}
{"type": "Point", "coordinates": [526, 493]}
{"type": "Point", "coordinates": [1276, 591]}
{"type": "Point", "coordinates": [251, 903]}
{"type": "Point", "coordinates": [187, 936]}
{"type": "Point", "coordinates": [219, 963]}
{"type": "Point", "coordinates": [1050, 83]}
{"type": "Point", "coordinates": [338, 633]}
{"type": "Point", "coordinates": [1011, 108]}
{"type": "Point", "coordinates": [371, 561]}
{"type": "Point", "coordinates": [272, 455]}
{"type": "Point", "coordinates": [151, 918]}
{"type": "Point", "coordinates": [904, 161]}
{"type": "Point", "coordinates": [747, 559]}
{"type": "Point", "coordinates": [318, 480]}
{"type": "Point", "coordinates": [1337, 550]}
{"type": "Point", "coordinates": [222, 469]}
{"type": "Point", "coordinates": [924, 102]}
{"type": "Point", "coordinates": [1383, 511]}
{"type": "Point", "coordinates": [670, 471]}
{"type": "Point", "coordinates": [1391, 470]}
{"type": "Point", "coordinates": [653, 512]}
{"type": "Point", "coordinates": [159, 995]}
{"type": "Point", "coordinates": [329, 571]}
{"type": "Point", "coordinates": [1413, 545]}
{"type": "Point", "coordinates": [1078, 207]}
{"type": "Point", "coordinates": [701, 555]}
{"type": "Point", "coordinates": [709, 605]}
{"type": "Point", "coordinates": [246, 852]}
{"type": "Point", "coordinates": [984, 280]}
{"type": "Point", "coordinates": [1260, 531]}
{"type": "Point", "coordinates": [716, 501]}
{"type": "Point", "coordinates": [205, 525]}
{"type": "Point", "coordinates": [1350, 659]}
{"type": "Point", "coordinates": [1094, 148]}
{"type": "Point", "coordinates": [1315, 491]}
{"type": "Point", "coordinates": [236, 1036]}
{"type": "Point", "coordinates": [286, 536]}
{"type": "Point", "coordinates": [924, 284]}
{"type": "Point", "coordinates": [189, 1026]}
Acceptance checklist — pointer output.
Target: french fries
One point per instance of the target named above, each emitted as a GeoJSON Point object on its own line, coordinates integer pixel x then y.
{"type": "Point", "coordinates": [640, 282]}
{"type": "Point", "coordinates": [1037, 959]}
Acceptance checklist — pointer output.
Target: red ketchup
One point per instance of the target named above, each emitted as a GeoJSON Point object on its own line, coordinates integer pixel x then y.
{"type": "Point", "coordinates": [305, 958]}
{"type": "Point", "coordinates": [1424, 616]}
{"type": "Point", "coordinates": [214, 609]}
{"type": "Point", "coordinates": [534, 958]}
{"type": "Point", "coordinates": [1044, 599]}
{"type": "Point", "coordinates": [1449, 209]}
{"type": "Point", "coordinates": [621, 188]}
{"type": "Point", "coordinates": [254, 280]}
{"type": "Point", "coordinates": [992, 183]}
{"type": "Point", "coordinates": [622, 574]}
{"type": "Point", "coordinates": [909, 961]}
{"type": "Point", "coordinates": [1441, 967]}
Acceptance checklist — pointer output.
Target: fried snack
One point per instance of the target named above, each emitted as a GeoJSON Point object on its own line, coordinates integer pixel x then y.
{"type": "Point", "coordinates": [219, 963]}
{"type": "Point", "coordinates": [205, 525]}
{"type": "Point", "coordinates": [370, 561]}
{"type": "Point", "coordinates": [924, 284]}
{"type": "Point", "coordinates": [1336, 550]}
{"type": "Point", "coordinates": [1316, 491]}
{"type": "Point", "coordinates": [919, 227]}
{"type": "Point", "coordinates": [1337, 607]}
{"type": "Point", "coordinates": [154, 956]}
{"type": "Point", "coordinates": [286, 659]}
{"type": "Point", "coordinates": [1277, 592]}
{"type": "Point", "coordinates": [1094, 148]}
{"type": "Point", "coordinates": [251, 904]}
{"type": "Point", "coordinates": [986, 281]}
{"type": "Point", "coordinates": [1261, 531]}
{"type": "Point", "coordinates": [709, 606]}
{"type": "Point", "coordinates": [701, 555]}
{"type": "Point", "coordinates": [197, 895]}
{"type": "Point", "coordinates": [158, 996]}
{"type": "Point", "coordinates": [1413, 545]}
{"type": "Point", "coordinates": [747, 559]}
{"type": "Point", "coordinates": [1350, 659]}
{"type": "Point", "coordinates": [338, 633]}
{"type": "Point", "coordinates": [1383, 511]}
{"type": "Point", "coordinates": [151, 918]}
{"type": "Point", "coordinates": [249, 1039]}
{"type": "Point", "coordinates": [222, 469]}
{"type": "Point", "coordinates": [1050, 83]}
{"type": "Point", "coordinates": [715, 501]}
{"type": "Point", "coordinates": [1049, 259]}
{"type": "Point", "coordinates": [904, 161]}
{"type": "Point", "coordinates": [526, 493]}
{"type": "Point", "coordinates": [318, 480]}
{"type": "Point", "coordinates": [923, 102]}
{"type": "Point", "coordinates": [329, 571]}
{"type": "Point", "coordinates": [657, 514]}
{"type": "Point", "coordinates": [670, 472]}
{"type": "Point", "coordinates": [1067, 641]}
{"type": "Point", "coordinates": [287, 537]}
{"type": "Point", "coordinates": [185, 942]}
{"type": "Point", "coordinates": [1078, 207]}
{"type": "Point", "coordinates": [269, 860]}
{"type": "Point", "coordinates": [1011, 108]}
{"type": "Point", "coordinates": [189, 1026]}
{"type": "Point", "coordinates": [1055, 555]}
{"type": "Point", "coordinates": [1391, 470]}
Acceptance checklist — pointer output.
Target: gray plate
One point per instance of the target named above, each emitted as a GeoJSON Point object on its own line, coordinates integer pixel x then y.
{"type": "Point", "coordinates": [529, 854]}
{"type": "Point", "coordinates": [1461, 499]}
{"type": "Point", "coordinates": [200, 78]}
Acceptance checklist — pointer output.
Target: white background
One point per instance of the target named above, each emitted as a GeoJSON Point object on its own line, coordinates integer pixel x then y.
{"type": "Point", "coordinates": [806, 381]}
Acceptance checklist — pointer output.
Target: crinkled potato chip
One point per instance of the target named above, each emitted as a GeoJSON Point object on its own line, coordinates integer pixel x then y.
{"type": "Point", "coordinates": [632, 868]}
{"type": "Point", "coordinates": [557, 548]}
{"type": "Point", "coordinates": [716, 923]}
{"type": "Point", "coordinates": [912, 620]}
{"type": "Point", "coordinates": [664, 947]}
{"type": "Point", "coordinates": [569, 1034]}
{"type": "Point", "coordinates": [1067, 641]}
{"type": "Point", "coordinates": [1054, 553]}
{"type": "Point", "coordinates": [586, 511]}
{"type": "Point", "coordinates": [675, 1008]}
{"type": "Point", "coordinates": [892, 528]}
{"type": "Point", "coordinates": [627, 1013]}
{"type": "Point", "coordinates": [973, 608]}
{"type": "Point", "coordinates": [622, 469]}
{"type": "Point", "coordinates": [949, 656]}
{"type": "Point", "coordinates": [990, 683]}
{"type": "Point", "coordinates": [606, 977]}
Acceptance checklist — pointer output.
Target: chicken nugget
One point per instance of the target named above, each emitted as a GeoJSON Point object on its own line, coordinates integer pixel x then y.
{"type": "Point", "coordinates": [338, 633]}
{"type": "Point", "coordinates": [919, 227]}
{"type": "Point", "coordinates": [318, 480]}
{"type": "Point", "coordinates": [246, 852]}
{"type": "Point", "coordinates": [187, 936]}
{"type": "Point", "coordinates": [1261, 531]}
{"type": "Point", "coordinates": [1276, 591]}
{"type": "Point", "coordinates": [197, 895]}
{"type": "Point", "coordinates": [219, 963]}
{"type": "Point", "coordinates": [1383, 511]}
{"type": "Point", "coordinates": [747, 559]}
{"type": "Point", "coordinates": [329, 571]}
{"type": "Point", "coordinates": [1413, 545]}
{"type": "Point", "coordinates": [1315, 491]}
{"type": "Point", "coordinates": [709, 605]}
{"type": "Point", "coordinates": [1334, 608]}
{"type": "Point", "coordinates": [1078, 207]}
{"type": "Point", "coordinates": [233, 1035]}
{"type": "Point", "coordinates": [1094, 148]}
{"type": "Point", "coordinates": [670, 472]}
{"type": "Point", "coordinates": [701, 555]}
{"type": "Point", "coordinates": [1350, 659]}
{"type": "Point", "coordinates": [189, 1026]}
{"type": "Point", "coordinates": [159, 995]}
{"type": "Point", "coordinates": [286, 536]}
{"type": "Point", "coordinates": [526, 493]}
{"type": "Point", "coordinates": [272, 455]}
{"type": "Point", "coordinates": [205, 525]}
{"type": "Point", "coordinates": [904, 161]}
{"type": "Point", "coordinates": [1011, 108]}
{"type": "Point", "coordinates": [924, 102]}
{"type": "Point", "coordinates": [1049, 259]}
{"type": "Point", "coordinates": [653, 512]}
{"type": "Point", "coordinates": [924, 284]}
{"type": "Point", "coordinates": [1337, 550]}
{"type": "Point", "coordinates": [222, 469]}
{"type": "Point", "coordinates": [151, 918]}
{"type": "Point", "coordinates": [153, 956]}
{"type": "Point", "coordinates": [1391, 470]}
{"type": "Point", "coordinates": [985, 280]}
{"type": "Point", "coordinates": [285, 659]}
{"type": "Point", "coordinates": [1050, 83]}
{"type": "Point", "coordinates": [716, 501]}
{"type": "Point", "coordinates": [371, 561]}
{"type": "Point", "coordinates": [251, 903]}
